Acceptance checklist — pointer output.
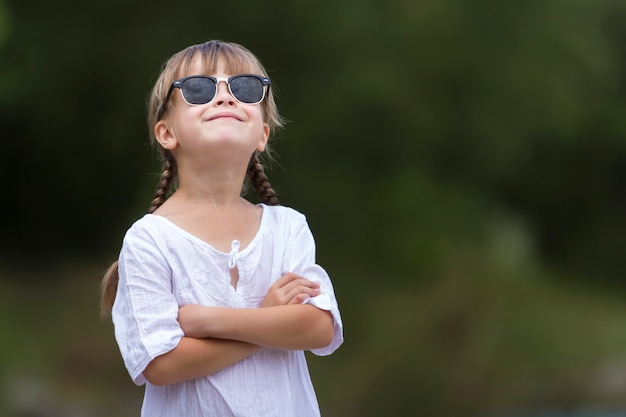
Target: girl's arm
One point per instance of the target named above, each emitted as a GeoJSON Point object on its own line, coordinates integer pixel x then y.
{"type": "Point", "coordinates": [282, 322]}
{"type": "Point", "coordinates": [195, 358]}
{"type": "Point", "coordinates": [198, 355]}
{"type": "Point", "coordinates": [296, 326]}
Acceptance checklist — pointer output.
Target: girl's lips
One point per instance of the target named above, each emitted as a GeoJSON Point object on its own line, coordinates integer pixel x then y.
{"type": "Point", "coordinates": [224, 115]}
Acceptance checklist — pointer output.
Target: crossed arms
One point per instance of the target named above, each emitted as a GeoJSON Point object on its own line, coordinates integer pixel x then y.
{"type": "Point", "coordinates": [217, 337]}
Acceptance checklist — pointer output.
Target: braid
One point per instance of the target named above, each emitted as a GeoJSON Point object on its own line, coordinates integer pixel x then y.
{"type": "Point", "coordinates": [259, 181]}
{"type": "Point", "coordinates": [165, 183]}
{"type": "Point", "coordinates": [108, 288]}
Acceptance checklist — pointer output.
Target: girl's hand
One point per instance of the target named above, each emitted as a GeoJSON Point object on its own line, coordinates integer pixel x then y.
{"type": "Point", "coordinates": [195, 319]}
{"type": "Point", "coordinates": [290, 289]}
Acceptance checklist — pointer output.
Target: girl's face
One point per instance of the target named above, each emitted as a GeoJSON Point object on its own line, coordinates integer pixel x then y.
{"type": "Point", "coordinates": [223, 128]}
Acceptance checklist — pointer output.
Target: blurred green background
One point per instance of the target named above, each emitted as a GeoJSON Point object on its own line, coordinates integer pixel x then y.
{"type": "Point", "coordinates": [462, 164]}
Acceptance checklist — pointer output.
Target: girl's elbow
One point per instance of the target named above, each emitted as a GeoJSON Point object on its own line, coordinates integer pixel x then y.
{"type": "Point", "coordinates": [326, 332]}
{"type": "Point", "coordinates": [153, 377]}
{"type": "Point", "coordinates": [159, 382]}
{"type": "Point", "coordinates": [326, 337]}
{"type": "Point", "coordinates": [155, 373]}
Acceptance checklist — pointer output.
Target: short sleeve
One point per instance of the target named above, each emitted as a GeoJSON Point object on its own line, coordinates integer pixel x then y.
{"type": "Point", "coordinates": [145, 310]}
{"type": "Point", "coordinates": [300, 260]}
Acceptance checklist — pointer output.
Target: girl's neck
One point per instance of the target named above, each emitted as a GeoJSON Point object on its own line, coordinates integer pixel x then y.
{"type": "Point", "coordinates": [220, 188]}
{"type": "Point", "coordinates": [208, 197]}
{"type": "Point", "coordinates": [215, 219]}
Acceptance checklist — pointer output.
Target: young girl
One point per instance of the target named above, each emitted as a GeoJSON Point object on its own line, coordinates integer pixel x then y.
{"type": "Point", "coordinates": [214, 299]}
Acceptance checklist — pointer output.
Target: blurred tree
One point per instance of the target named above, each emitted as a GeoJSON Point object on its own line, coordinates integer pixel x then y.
{"type": "Point", "coordinates": [517, 107]}
{"type": "Point", "coordinates": [395, 110]}
{"type": "Point", "coordinates": [5, 26]}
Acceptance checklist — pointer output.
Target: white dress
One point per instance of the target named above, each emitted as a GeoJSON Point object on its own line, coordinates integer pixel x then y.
{"type": "Point", "coordinates": [163, 267]}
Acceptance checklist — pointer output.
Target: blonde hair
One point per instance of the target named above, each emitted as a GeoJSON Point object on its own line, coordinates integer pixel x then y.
{"type": "Point", "coordinates": [236, 60]}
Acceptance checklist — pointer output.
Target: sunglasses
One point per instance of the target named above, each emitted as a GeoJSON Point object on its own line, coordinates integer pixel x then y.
{"type": "Point", "coordinates": [201, 89]}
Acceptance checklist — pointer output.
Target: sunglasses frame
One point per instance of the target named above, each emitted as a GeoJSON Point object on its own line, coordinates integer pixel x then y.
{"type": "Point", "coordinates": [265, 82]}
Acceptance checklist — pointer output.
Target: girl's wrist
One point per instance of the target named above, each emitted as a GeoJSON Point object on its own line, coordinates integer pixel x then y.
{"type": "Point", "coordinates": [211, 322]}
{"type": "Point", "coordinates": [198, 321]}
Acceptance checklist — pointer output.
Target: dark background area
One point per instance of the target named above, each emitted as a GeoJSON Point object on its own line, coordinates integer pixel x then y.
{"type": "Point", "coordinates": [462, 164]}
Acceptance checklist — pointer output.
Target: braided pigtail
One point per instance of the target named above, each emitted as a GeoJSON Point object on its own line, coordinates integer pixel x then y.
{"type": "Point", "coordinates": [108, 287]}
{"type": "Point", "coordinates": [165, 183]}
{"type": "Point", "coordinates": [237, 60]}
{"type": "Point", "coordinates": [260, 183]}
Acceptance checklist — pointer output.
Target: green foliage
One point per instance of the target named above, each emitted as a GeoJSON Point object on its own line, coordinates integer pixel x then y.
{"type": "Point", "coordinates": [517, 105]}
{"type": "Point", "coordinates": [5, 23]}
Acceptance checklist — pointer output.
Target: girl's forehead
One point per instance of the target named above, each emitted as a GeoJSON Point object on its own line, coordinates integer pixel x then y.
{"type": "Point", "coordinates": [202, 65]}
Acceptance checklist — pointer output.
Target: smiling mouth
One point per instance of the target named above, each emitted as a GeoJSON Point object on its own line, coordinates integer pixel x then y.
{"type": "Point", "coordinates": [224, 116]}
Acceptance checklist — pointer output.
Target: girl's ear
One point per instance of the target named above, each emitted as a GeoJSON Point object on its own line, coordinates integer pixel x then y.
{"type": "Point", "coordinates": [164, 135]}
{"type": "Point", "coordinates": [266, 134]}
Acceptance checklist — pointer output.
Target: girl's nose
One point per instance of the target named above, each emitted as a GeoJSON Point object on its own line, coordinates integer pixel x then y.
{"type": "Point", "coordinates": [222, 95]}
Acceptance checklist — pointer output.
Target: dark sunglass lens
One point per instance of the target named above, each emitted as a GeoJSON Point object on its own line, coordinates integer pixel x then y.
{"type": "Point", "coordinates": [247, 89]}
{"type": "Point", "coordinates": [198, 90]}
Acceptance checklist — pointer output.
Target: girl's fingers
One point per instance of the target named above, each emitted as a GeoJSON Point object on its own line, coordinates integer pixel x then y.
{"type": "Point", "coordinates": [291, 289]}
{"type": "Point", "coordinates": [292, 280]}
{"type": "Point", "coordinates": [298, 299]}
{"type": "Point", "coordinates": [300, 287]}
{"type": "Point", "coordinates": [302, 292]}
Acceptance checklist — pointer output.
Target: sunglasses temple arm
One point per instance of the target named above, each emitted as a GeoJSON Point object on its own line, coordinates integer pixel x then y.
{"type": "Point", "coordinates": [167, 98]}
